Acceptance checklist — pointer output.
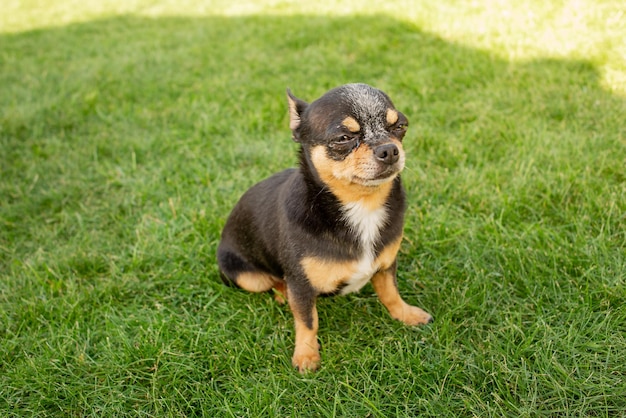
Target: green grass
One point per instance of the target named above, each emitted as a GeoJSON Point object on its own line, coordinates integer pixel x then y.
{"type": "Point", "coordinates": [129, 129]}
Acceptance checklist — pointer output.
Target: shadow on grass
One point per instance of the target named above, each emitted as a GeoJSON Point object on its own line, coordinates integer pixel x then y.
{"type": "Point", "coordinates": [107, 121]}
{"type": "Point", "coordinates": [222, 80]}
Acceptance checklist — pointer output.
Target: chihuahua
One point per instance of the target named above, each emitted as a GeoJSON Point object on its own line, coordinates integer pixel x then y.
{"type": "Point", "coordinates": [331, 225]}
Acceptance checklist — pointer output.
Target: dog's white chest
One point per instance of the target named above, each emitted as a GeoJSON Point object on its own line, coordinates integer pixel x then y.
{"type": "Point", "coordinates": [366, 224]}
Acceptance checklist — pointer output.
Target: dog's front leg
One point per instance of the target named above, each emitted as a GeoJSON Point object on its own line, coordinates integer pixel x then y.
{"type": "Point", "coordinates": [386, 288]}
{"type": "Point", "coordinates": [306, 355]}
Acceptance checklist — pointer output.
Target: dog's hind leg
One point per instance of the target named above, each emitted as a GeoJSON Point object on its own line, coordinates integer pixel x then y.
{"type": "Point", "coordinates": [255, 281]}
{"type": "Point", "coordinates": [236, 271]}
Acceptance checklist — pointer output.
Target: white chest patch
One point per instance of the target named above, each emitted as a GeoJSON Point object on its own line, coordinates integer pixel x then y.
{"type": "Point", "coordinates": [366, 224]}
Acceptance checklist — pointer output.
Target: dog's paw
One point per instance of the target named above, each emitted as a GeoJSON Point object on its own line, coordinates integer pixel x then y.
{"type": "Point", "coordinates": [412, 315]}
{"type": "Point", "coordinates": [279, 297]}
{"type": "Point", "coordinates": [280, 292]}
{"type": "Point", "coordinates": [306, 362]}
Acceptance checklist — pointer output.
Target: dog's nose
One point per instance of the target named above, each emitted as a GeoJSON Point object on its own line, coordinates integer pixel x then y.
{"type": "Point", "coordinates": [387, 153]}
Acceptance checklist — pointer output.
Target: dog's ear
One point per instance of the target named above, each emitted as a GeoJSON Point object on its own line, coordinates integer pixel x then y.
{"type": "Point", "coordinates": [296, 108]}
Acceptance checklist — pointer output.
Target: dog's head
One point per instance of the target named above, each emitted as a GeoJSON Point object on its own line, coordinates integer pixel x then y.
{"type": "Point", "coordinates": [352, 135]}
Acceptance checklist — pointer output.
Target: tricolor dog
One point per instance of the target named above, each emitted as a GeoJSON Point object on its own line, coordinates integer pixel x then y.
{"type": "Point", "coordinates": [331, 225]}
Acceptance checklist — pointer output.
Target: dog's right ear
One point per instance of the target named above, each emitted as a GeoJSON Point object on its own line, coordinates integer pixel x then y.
{"type": "Point", "coordinates": [296, 108]}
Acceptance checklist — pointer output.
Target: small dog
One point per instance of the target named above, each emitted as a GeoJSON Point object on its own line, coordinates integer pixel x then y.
{"type": "Point", "coordinates": [331, 225]}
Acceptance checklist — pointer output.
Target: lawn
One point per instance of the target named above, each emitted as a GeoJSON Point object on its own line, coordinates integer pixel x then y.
{"type": "Point", "coordinates": [128, 130]}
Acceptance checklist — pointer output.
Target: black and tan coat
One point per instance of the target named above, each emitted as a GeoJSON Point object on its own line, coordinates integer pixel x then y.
{"type": "Point", "coordinates": [331, 225]}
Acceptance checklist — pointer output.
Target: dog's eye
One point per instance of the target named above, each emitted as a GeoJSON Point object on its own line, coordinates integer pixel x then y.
{"type": "Point", "coordinates": [399, 130]}
{"type": "Point", "coordinates": [344, 141]}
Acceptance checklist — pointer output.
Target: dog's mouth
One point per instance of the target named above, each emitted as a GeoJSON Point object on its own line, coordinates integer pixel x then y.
{"type": "Point", "coordinates": [382, 177]}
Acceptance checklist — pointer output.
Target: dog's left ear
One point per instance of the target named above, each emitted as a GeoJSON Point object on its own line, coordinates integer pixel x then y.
{"type": "Point", "coordinates": [296, 108]}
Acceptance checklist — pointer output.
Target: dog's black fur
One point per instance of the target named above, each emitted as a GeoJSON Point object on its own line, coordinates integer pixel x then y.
{"type": "Point", "coordinates": [332, 224]}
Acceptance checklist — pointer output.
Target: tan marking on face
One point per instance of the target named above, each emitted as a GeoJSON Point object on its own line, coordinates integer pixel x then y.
{"type": "Point", "coordinates": [384, 283]}
{"type": "Point", "coordinates": [388, 255]}
{"type": "Point", "coordinates": [326, 276]}
{"type": "Point", "coordinates": [345, 178]}
{"type": "Point", "coordinates": [256, 282]}
{"type": "Point", "coordinates": [392, 116]}
{"type": "Point", "coordinates": [351, 124]}
{"type": "Point", "coordinates": [306, 356]}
